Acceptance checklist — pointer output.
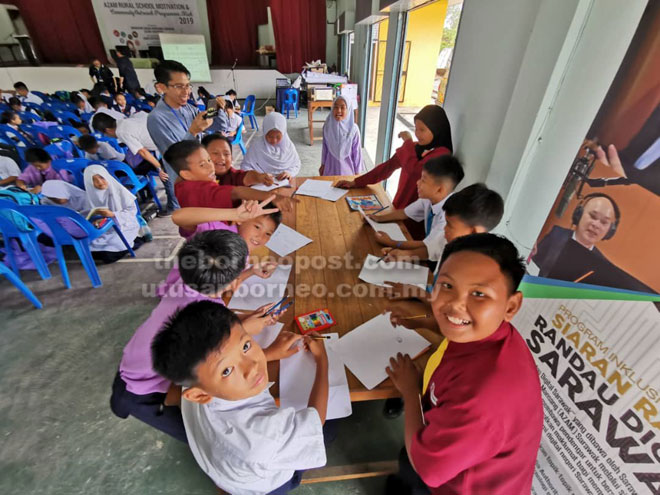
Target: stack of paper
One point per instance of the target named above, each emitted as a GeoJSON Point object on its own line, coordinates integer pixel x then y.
{"type": "Point", "coordinates": [321, 189]}
{"type": "Point", "coordinates": [297, 375]}
{"type": "Point", "coordinates": [367, 349]}
{"type": "Point", "coordinates": [274, 185]}
{"type": "Point", "coordinates": [256, 292]}
{"type": "Point", "coordinates": [285, 240]}
{"type": "Point", "coordinates": [391, 229]}
{"type": "Point", "coordinates": [378, 272]}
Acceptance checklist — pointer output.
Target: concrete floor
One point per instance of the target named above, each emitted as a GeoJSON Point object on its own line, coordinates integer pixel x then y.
{"type": "Point", "coordinates": [57, 364]}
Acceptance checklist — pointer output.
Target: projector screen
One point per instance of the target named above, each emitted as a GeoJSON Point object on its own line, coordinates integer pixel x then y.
{"type": "Point", "coordinates": [190, 50]}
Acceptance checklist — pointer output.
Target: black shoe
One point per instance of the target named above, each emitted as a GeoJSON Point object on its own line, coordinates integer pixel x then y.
{"type": "Point", "coordinates": [393, 408]}
{"type": "Point", "coordinates": [164, 213]}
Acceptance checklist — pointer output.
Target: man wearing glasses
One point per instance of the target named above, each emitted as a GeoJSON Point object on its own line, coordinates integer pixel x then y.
{"type": "Point", "coordinates": [173, 119]}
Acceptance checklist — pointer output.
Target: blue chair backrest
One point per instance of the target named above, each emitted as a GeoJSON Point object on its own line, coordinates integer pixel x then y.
{"type": "Point", "coordinates": [76, 167]}
{"type": "Point", "coordinates": [141, 106]}
{"type": "Point", "coordinates": [249, 104]}
{"type": "Point", "coordinates": [66, 117]}
{"type": "Point", "coordinates": [8, 133]}
{"type": "Point", "coordinates": [124, 175]}
{"type": "Point", "coordinates": [36, 132]}
{"type": "Point", "coordinates": [239, 134]}
{"type": "Point", "coordinates": [29, 117]}
{"type": "Point", "coordinates": [59, 222]}
{"type": "Point", "coordinates": [62, 131]}
{"type": "Point", "coordinates": [30, 105]}
{"type": "Point", "coordinates": [114, 142]}
{"type": "Point", "coordinates": [63, 149]}
{"type": "Point", "coordinates": [41, 95]}
{"type": "Point", "coordinates": [85, 117]}
{"type": "Point", "coordinates": [130, 99]}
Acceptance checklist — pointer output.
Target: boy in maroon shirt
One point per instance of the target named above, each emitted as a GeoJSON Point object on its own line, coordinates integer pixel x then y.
{"type": "Point", "coordinates": [197, 184]}
{"type": "Point", "coordinates": [480, 428]}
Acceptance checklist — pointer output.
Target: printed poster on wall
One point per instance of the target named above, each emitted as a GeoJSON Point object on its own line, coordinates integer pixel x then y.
{"type": "Point", "coordinates": [137, 24]}
{"type": "Point", "coordinates": [604, 227]}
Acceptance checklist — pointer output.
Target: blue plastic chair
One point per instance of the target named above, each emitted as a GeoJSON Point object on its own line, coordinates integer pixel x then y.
{"type": "Point", "coordinates": [75, 166]}
{"type": "Point", "coordinates": [42, 95]}
{"type": "Point", "coordinates": [141, 106]}
{"type": "Point", "coordinates": [68, 228]}
{"type": "Point", "coordinates": [86, 117]}
{"type": "Point", "coordinates": [66, 117]}
{"type": "Point", "coordinates": [62, 150]}
{"type": "Point", "coordinates": [129, 179]}
{"type": "Point", "coordinates": [8, 133]}
{"type": "Point", "coordinates": [38, 133]}
{"type": "Point", "coordinates": [290, 101]}
{"type": "Point", "coordinates": [238, 139]}
{"type": "Point", "coordinates": [248, 111]}
{"type": "Point", "coordinates": [62, 131]}
{"type": "Point", "coordinates": [27, 238]}
{"type": "Point", "coordinates": [18, 283]}
{"type": "Point", "coordinates": [114, 142]}
{"type": "Point", "coordinates": [32, 106]}
{"type": "Point", "coordinates": [29, 117]}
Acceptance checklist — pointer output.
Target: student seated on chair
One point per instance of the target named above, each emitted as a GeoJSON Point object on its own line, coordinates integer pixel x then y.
{"type": "Point", "coordinates": [219, 149]}
{"type": "Point", "coordinates": [233, 121]}
{"type": "Point", "coordinates": [232, 96]}
{"type": "Point", "coordinates": [273, 152]}
{"type": "Point", "coordinates": [16, 105]}
{"type": "Point", "coordinates": [198, 186]}
{"type": "Point", "coordinates": [439, 178]}
{"type": "Point", "coordinates": [98, 150]}
{"type": "Point", "coordinates": [25, 95]}
{"type": "Point", "coordinates": [9, 171]}
{"type": "Point", "coordinates": [109, 199]}
{"type": "Point", "coordinates": [59, 192]}
{"type": "Point", "coordinates": [39, 170]}
{"type": "Point", "coordinates": [240, 438]}
{"type": "Point", "coordinates": [138, 390]}
{"type": "Point", "coordinates": [13, 120]}
{"type": "Point", "coordinates": [122, 107]}
{"type": "Point", "coordinates": [479, 426]}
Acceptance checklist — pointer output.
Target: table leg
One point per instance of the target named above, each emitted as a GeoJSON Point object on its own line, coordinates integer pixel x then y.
{"type": "Point", "coordinates": [310, 116]}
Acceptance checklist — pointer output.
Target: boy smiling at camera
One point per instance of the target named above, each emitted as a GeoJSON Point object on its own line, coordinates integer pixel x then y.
{"type": "Point", "coordinates": [237, 434]}
{"type": "Point", "coordinates": [482, 415]}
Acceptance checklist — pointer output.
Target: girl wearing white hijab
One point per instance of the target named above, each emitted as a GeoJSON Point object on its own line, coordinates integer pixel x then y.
{"type": "Point", "coordinates": [342, 151]}
{"type": "Point", "coordinates": [273, 152]}
{"type": "Point", "coordinates": [111, 199]}
{"type": "Point", "coordinates": [62, 193]}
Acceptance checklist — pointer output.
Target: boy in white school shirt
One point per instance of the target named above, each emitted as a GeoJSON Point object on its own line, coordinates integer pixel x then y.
{"type": "Point", "coordinates": [239, 437]}
{"type": "Point", "coordinates": [440, 176]}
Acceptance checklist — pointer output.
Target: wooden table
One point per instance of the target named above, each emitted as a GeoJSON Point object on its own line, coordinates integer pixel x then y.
{"type": "Point", "coordinates": [311, 108]}
{"type": "Point", "coordinates": [337, 230]}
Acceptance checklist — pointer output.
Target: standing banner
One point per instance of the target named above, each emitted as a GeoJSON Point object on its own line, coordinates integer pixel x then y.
{"type": "Point", "coordinates": [591, 315]}
{"type": "Point", "coordinates": [138, 24]}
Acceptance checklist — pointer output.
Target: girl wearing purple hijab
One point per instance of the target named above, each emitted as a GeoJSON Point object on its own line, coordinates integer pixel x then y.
{"type": "Point", "coordinates": [342, 151]}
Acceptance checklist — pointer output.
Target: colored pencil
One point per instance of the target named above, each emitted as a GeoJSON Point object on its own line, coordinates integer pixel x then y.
{"type": "Point", "coordinates": [583, 277]}
{"type": "Point", "coordinates": [414, 317]}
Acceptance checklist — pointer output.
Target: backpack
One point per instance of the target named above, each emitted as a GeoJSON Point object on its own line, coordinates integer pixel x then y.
{"type": "Point", "coordinates": [20, 197]}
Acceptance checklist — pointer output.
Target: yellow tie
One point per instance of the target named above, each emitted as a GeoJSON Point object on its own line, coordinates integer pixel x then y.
{"type": "Point", "coordinates": [433, 363]}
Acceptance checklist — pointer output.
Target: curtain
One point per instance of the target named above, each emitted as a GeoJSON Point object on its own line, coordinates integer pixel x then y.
{"type": "Point", "coordinates": [63, 31]}
{"type": "Point", "coordinates": [233, 28]}
{"type": "Point", "coordinates": [299, 27]}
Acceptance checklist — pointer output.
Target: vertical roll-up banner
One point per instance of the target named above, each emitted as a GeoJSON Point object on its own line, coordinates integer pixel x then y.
{"type": "Point", "coordinates": [591, 315]}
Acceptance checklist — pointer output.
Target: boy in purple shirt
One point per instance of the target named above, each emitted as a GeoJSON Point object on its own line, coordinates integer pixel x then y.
{"type": "Point", "coordinates": [210, 264]}
{"type": "Point", "coordinates": [39, 171]}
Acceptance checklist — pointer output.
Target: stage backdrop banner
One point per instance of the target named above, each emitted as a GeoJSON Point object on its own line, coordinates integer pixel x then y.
{"type": "Point", "coordinates": [600, 379]}
{"type": "Point", "coordinates": [138, 24]}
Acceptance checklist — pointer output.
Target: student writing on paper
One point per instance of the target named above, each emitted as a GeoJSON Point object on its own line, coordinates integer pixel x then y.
{"type": "Point", "coordinates": [111, 199]}
{"type": "Point", "coordinates": [219, 149]}
{"type": "Point", "coordinates": [138, 390]}
{"type": "Point", "coordinates": [438, 180]}
{"type": "Point", "coordinates": [59, 192]}
{"type": "Point", "coordinates": [481, 420]}
{"type": "Point", "coordinates": [273, 152]}
{"type": "Point", "coordinates": [342, 148]}
{"type": "Point", "coordinates": [433, 134]}
{"type": "Point", "coordinates": [198, 186]}
{"type": "Point", "coordinates": [39, 171]}
{"type": "Point", "coordinates": [236, 432]}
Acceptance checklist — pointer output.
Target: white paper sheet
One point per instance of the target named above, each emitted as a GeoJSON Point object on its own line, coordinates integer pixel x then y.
{"type": "Point", "coordinates": [285, 240]}
{"type": "Point", "coordinates": [274, 185]}
{"type": "Point", "coordinates": [378, 272]}
{"type": "Point", "coordinates": [335, 193]}
{"type": "Point", "coordinates": [256, 291]}
{"type": "Point", "coordinates": [268, 335]}
{"type": "Point", "coordinates": [367, 349]}
{"type": "Point", "coordinates": [297, 378]}
{"type": "Point", "coordinates": [313, 187]}
{"type": "Point", "coordinates": [391, 229]}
